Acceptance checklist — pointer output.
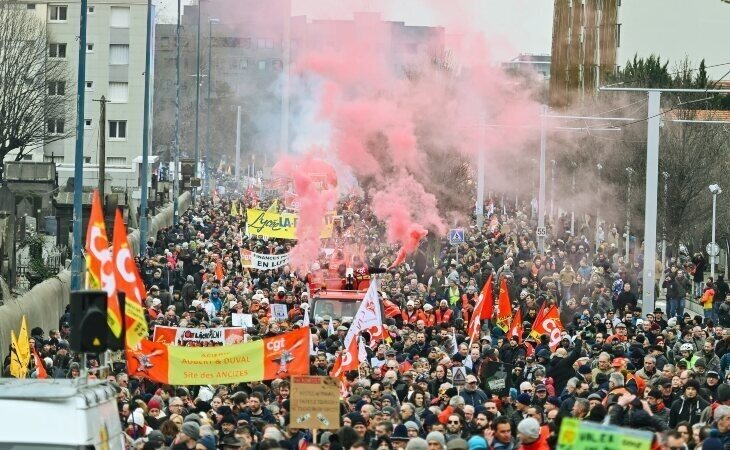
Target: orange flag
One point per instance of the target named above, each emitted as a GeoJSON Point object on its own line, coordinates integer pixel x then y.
{"type": "Point", "coordinates": [504, 308]}
{"type": "Point", "coordinates": [348, 360]}
{"type": "Point", "coordinates": [538, 319]}
{"type": "Point", "coordinates": [40, 367]}
{"type": "Point", "coordinates": [129, 282]}
{"type": "Point", "coordinates": [515, 328]}
{"type": "Point", "coordinates": [219, 271]}
{"type": "Point", "coordinates": [100, 267]}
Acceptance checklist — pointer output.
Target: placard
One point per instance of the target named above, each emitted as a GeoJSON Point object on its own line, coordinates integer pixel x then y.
{"type": "Point", "coordinates": [315, 403]}
{"type": "Point", "coordinates": [279, 312]}
{"type": "Point", "coordinates": [198, 337]}
{"type": "Point", "coordinates": [578, 435]}
{"type": "Point", "coordinates": [242, 320]}
{"type": "Point", "coordinates": [496, 376]}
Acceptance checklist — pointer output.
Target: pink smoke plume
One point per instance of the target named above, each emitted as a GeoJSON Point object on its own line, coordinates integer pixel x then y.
{"type": "Point", "coordinates": [315, 183]}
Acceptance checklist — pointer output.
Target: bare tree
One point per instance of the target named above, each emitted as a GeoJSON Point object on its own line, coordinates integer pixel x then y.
{"type": "Point", "coordinates": [34, 83]}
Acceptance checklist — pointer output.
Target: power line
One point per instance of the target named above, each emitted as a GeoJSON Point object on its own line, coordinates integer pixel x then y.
{"type": "Point", "coordinates": [671, 73]}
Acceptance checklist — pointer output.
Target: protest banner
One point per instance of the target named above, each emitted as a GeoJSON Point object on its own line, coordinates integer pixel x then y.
{"type": "Point", "coordinates": [279, 312]}
{"type": "Point", "coordinates": [261, 261]}
{"type": "Point", "coordinates": [198, 337]}
{"type": "Point", "coordinates": [279, 356]}
{"type": "Point", "coordinates": [497, 376]}
{"type": "Point", "coordinates": [280, 225]}
{"type": "Point", "coordinates": [291, 201]}
{"type": "Point", "coordinates": [315, 403]}
{"type": "Point", "coordinates": [580, 435]}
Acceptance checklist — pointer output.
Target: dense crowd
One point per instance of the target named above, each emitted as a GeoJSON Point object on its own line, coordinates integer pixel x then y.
{"type": "Point", "coordinates": [665, 372]}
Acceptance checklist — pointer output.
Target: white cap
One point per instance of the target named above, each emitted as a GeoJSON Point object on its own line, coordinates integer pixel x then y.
{"type": "Point", "coordinates": [195, 303]}
{"type": "Point", "coordinates": [265, 301]}
{"type": "Point", "coordinates": [280, 289]}
{"type": "Point", "coordinates": [232, 304]}
{"type": "Point", "coordinates": [156, 302]}
{"type": "Point", "coordinates": [427, 307]}
{"type": "Point", "coordinates": [410, 303]}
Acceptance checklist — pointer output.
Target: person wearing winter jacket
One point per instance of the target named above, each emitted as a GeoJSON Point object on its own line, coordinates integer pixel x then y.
{"type": "Point", "coordinates": [689, 406]}
{"type": "Point", "coordinates": [656, 402]}
{"type": "Point", "coordinates": [560, 368]}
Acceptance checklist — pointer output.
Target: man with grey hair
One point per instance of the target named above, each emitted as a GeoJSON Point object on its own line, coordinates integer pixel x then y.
{"type": "Point", "coordinates": [615, 388]}
{"type": "Point", "coordinates": [722, 424]}
{"type": "Point", "coordinates": [580, 408]}
{"type": "Point", "coordinates": [649, 372]}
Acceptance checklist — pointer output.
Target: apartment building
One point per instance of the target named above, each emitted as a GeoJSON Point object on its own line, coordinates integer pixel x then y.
{"type": "Point", "coordinates": [115, 65]}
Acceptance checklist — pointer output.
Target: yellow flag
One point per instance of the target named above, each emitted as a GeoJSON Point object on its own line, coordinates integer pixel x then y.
{"type": "Point", "coordinates": [17, 369]}
{"type": "Point", "coordinates": [274, 206]}
{"type": "Point", "coordinates": [234, 209]}
{"type": "Point", "coordinates": [23, 345]}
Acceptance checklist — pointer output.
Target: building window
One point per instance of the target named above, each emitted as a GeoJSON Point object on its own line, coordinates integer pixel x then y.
{"type": "Point", "coordinates": [55, 126]}
{"type": "Point", "coordinates": [116, 160]}
{"type": "Point", "coordinates": [87, 159]}
{"type": "Point", "coordinates": [91, 9]}
{"type": "Point", "coordinates": [89, 85]}
{"type": "Point", "coordinates": [87, 124]}
{"type": "Point", "coordinates": [27, 157]}
{"type": "Point", "coordinates": [118, 54]}
{"type": "Point", "coordinates": [119, 17]}
{"type": "Point", "coordinates": [53, 159]}
{"type": "Point", "coordinates": [89, 48]}
{"type": "Point", "coordinates": [262, 65]}
{"type": "Point", "coordinates": [30, 6]}
{"type": "Point", "coordinates": [618, 35]}
{"type": "Point", "coordinates": [245, 42]}
{"type": "Point", "coordinates": [56, 88]}
{"type": "Point", "coordinates": [118, 92]}
{"type": "Point", "coordinates": [276, 64]}
{"type": "Point", "coordinates": [164, 41]}
{"type": "Point", "coordinates": [57, 13]}
{"type": "Point", "coordinates": [56, 50]}
{"type": "Point", "coordinates": [117, 129]}
{"type": "Point", "coordinates": [260, 43]}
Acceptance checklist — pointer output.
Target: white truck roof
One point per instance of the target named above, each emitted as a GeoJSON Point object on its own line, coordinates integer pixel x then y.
{"type": "Point", "coordinates": [59, 412]}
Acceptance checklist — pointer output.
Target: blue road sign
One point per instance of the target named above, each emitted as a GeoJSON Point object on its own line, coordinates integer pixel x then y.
{"type": "Point", "coordinates": [456, 236]}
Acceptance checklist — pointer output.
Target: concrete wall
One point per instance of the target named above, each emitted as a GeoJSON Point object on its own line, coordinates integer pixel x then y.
{"type": "Point", "coordinates": [44, 305]}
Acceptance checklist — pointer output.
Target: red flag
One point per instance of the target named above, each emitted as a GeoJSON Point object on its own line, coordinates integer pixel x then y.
{"type": "Point", "coordinates": [100, 267]}
{"type": "Point", "coordinates": [504, 308]}
{"type": "Point", "coordinates": [128, 281]}
{"type": "Point", "coordinates": [348, 360]}
{"type": "Point", "coordinates": [515, 328]}
{"type": "Point", "coordinates": [487, 311]}
{"type": "Point", "coordinates": [39, 366]}
{"type": "Point", "coordinates": [475, 329]}
{"type": "Point", "coordinates": [549, 324]}
{"type": "Point", "coordinates": [219, 271]}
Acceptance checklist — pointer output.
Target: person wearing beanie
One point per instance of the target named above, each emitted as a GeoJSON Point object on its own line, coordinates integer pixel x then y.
{"type": "Point", "coordinates": [459, 444]}
{"type": "Point", "coordinates": [722, 398]}
{"type": "Point", "coordinates": [436, 441]}
{"type": "Point", "coordinates": [655, 399]}
{"type": "Point", "coordinates": [689, 406]}
{"type": "Point", "coordinates": [208, 441]}
{"type": "Point", "coordinates": [227, 426]}
{"type": "Point", "coordinates": [477, 443]}
{"type": "Point", "coordinates": [531, 436]}
{"type": "Point", "coordinates": [417, 444]}
{"type": "Point", "coordinates": [187, 437]}
{"type": "Point", "coordinates": [400, 436]}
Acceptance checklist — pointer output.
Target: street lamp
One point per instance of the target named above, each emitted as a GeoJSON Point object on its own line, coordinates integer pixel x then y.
{"type": "Point", "coordinates": [630, 171]}
{"type": "Point", "coordinates": [715, 190]}
{"type": "Point", "coordinates": [664, 218]}
{"type": "Point", "coordinates": [552, 191]}
{"type": "Point", "coordinates": [211, 21]}
{"type": "Point", "coordinates": [574, 165]}
{"type": "Point", "coordinates": [599, 166]}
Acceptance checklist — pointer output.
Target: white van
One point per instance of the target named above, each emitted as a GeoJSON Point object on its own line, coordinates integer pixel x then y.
{"type": "Point", "coordinates": [58, 414]}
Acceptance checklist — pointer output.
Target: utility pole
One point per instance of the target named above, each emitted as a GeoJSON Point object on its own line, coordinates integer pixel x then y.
{"type": "Point", "coordinates": [630, 171]}
{"type": "Point", "coordinates": [144, 171]}
{"type": "Point", "coordinates": [598, 205]}
{"type": "Point", "coordinates": [238, 146]}
{"type": "Point", "coordinates": [101, 160]}
{"type": "Point", "coordinates": [197, 104]}
{"type": "Point", "coordinates": [176, 168]}
{"type": "Point", "coordinates": [480, 171]}
{"type": "Point", "coordinates": [652, 182]}
{"type": "Point", "coordinates": [77, 261]}
{"type": "Point", "coordinates": [574, 165]}
{"type": "Point", "coordinates": [552, 191]}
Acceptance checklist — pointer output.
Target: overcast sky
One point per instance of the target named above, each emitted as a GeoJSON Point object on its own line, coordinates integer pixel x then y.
{"type": "Point", "coordinates": [512, 26]}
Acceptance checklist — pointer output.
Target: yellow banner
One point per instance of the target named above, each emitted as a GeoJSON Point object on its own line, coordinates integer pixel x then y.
{"type": "Point", "coordinates": [220, 365]}
{"type": "Point", "coordinates": [280, 225]}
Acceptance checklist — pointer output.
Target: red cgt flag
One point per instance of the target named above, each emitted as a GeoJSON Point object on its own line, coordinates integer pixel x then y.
{"type": "Point", "coordinates": [40, 367]}
{"type": "Point", "coordinates": [487, 299]}
{"type": "Point", "coordinates": [515, 328]}
{"type": "Point", "coordinates": [129, 282]}
{"type": "Point", "coordinates": [549, 324]}
{"type": "Point", "coordinates": [100, 267]}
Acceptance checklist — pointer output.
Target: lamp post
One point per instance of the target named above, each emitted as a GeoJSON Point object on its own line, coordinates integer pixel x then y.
{"type": "Point", "coordinates": [552, 191]}
{"type": "Point", "coordinates": [630, 171]}
{"type": "Point", "coordinates": [211, 21]}
{"type": "Point", "coordinates": [664, 218]}
{"type": "Point", "coordinates": [145, 170]}
{"type": "Point", "coordinates": [574, 165]}
{"type": "Point", "coordinates": [715, 190]}
{"type": "Point", "coordinates": [175, 169]}
{"type": "Point", "coordinates": [197, 104]}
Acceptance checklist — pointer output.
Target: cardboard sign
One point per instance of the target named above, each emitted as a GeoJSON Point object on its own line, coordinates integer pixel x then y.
{"type": "Point", "coordinates": [578, 435]}
{"type": "Point", "coordinates": [315, 403]}
{"type": "Point", "coordinates": [262, 261]}
{"type": "Point", "coordinates": [279, 312]}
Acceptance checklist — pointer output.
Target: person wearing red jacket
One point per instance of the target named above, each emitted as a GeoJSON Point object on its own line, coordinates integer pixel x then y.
{"type": "Point", "coordinates": [444, 314]}
{"type": "Point", "coordinates": [430, 316]}
{"type": "Point", "coordinates": [411, 315]}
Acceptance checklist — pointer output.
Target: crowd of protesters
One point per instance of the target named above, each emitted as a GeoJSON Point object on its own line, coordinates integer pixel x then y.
{"type": "Point", "coordinates": [665, 372]}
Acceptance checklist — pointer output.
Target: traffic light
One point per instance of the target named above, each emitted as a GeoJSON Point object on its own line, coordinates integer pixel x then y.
{"type": "Point", "coordinates": [117, 343]}
{"type": "Point", "coordinates": [89, 329]}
